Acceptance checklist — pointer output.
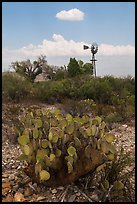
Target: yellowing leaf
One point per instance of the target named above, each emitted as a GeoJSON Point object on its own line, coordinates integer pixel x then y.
{"type": "Point", "coordinates": [52, 157]}
{"type": "Point", "coordinates": [70, 129]}
{"type": "Point", "coordinates": [23, 140]}
{"type": "Point", "coordinates": [89, 131]}
{"type": "Point", "coordinates": [70, 167]}
{"type": "Point", "coordinates": [105, 184]}
{"type": "Point", "coordinates": [50, 136]}
{"type": "Point", "coordinates": [69, 117]}
{"type": "Point", "coordinates": [99, 119]}
{"type": "Point", "coordinates": [41, 153]}
{"type": "Point", "coordinates": [109, 137]}
{"type": "Point", "coordinates": [35, 133]}
{"type": "Point", "coordinates": [26, 150]}
{"type": "Point", "coordinates": [118, 185]}
{"type": "Point", "coordinates": [44, 143]}
{"type": "Point", "coordinates": [58, 152]}
{"type": "Point", "coordinates": [55, 138]}
{"type": "Point", "coordinates": [93, 129]}
{"type": "Point", "coordinates": [77, 142]}
{"type": "Point", "coordinates": [101, 167]}
{"type": "Point", "coordinates": [71, 151]}
{"type": "Point", "coordinates": [104, 147]}
{"type": "Point", "coordinates": [44, 175]}
{"type": "Point", "coordinates": [23, 157]}
{"type": "Point", "coordinates": [110, 156]}
{"type": "Point", "coordinates": [39, 123]}
{"type": "Point", "coordinates": [69, 159]}
{"type": "Point", "coordinates": [63, 124]}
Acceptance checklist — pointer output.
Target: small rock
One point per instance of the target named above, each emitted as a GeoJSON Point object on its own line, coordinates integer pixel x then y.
{"type": "Point", "coordinates": [11, 177]}
{"type": "Point", "coordinates": [19, 167]}
{"type": "Point", "coordinates": [9, 198]}
{"type": "Point", "coordinates": [95, 197]}
{"type": "Point", "coordinates": [78, 194]}
{"type": "Point", "coordinates": [5, 175]}
{"type": "Point", "coordinates": [41, 198]}
{"type": "Point", "coordinates": [19, 197]}
{"type": "Point", "coordinates": [124, 126]}
{"type": "Point", "coordinates": [28, 191]}
{"type": "Point", "coordinates": [14, 188]}
{"type": "Point", "coordinates": [54, 191]}
{"type": "Point", "coordinates": [35, 185]}
{"type": "Point", "coordinates": [21, 190]}
{"type": "Point", "coordinates": [6, 185]}
{"type": "Point", "coordinates": [60, 188]}
{"type": "Point", "coordinates": [72, 198]}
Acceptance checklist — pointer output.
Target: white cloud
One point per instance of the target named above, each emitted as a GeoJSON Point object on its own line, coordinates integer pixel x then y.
{"type": "Point", "coordinates": [71, 15]}
{"type": "Point", "coordinates": [59, 50]}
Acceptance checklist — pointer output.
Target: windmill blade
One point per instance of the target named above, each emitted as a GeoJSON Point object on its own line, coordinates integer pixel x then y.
{"type": "Point", "coordinates": [85, 47]}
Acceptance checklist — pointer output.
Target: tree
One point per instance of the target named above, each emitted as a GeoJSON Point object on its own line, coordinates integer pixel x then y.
{"type": "Point", "coordinates": [86, 68]}
{"type": "Point", "coordinates": [73, 67]}
{"type": "Point", "coordinates": [30, 70]}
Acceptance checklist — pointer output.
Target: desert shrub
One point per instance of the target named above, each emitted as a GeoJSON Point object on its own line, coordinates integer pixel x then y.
{"type": "Point", "coordinates": [15, 89]}
{"type": "Point", "coordinates": [112, 181]}
{"type": "Point", "coordinates": [49, 91]}
{"type": "Point", "coordinates": [79, 107]}
{"type": "Point", "coordinates": [60, 74]}
{"type": "Point", "coordinates": [60, 148]}
{"type": "Point", "coordinates": [115, 180]}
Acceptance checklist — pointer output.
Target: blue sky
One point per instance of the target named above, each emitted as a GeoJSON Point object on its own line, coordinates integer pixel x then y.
{"type": "Point", "coordinates": [34, 25]}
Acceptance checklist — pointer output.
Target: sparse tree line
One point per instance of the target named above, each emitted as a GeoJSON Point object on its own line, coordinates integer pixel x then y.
{"type": "Point", "coordinates": [30, 70]}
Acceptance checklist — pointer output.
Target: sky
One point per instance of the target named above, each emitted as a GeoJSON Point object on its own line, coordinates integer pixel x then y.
{"type": "Point", "coordinates": [59, 30]}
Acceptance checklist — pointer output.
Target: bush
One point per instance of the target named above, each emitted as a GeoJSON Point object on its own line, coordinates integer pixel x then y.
{"type": "Point", "coordinates": [15, 88]}
{"type": "Point", "coordinates": [79, 107]}
{"type": "Point", "coordinates": [60, 148]}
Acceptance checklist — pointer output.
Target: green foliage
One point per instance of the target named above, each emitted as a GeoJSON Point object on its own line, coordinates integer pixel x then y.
{"type": "Point", "coordinates": [114, 180]}
{"type": "Point", "coordinates": [60, 74]}
{"type": "Point", "coordinates": [49, 136]}
{"type": "Point", "coordinates": [15, 88]}
{"type": "Point", "coordinates": [114, 97]}
{"type": "Point", "coordinates": [73, 68]}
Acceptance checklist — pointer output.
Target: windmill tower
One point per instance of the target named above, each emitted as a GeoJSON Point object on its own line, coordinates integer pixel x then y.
{"type": "Point", "coordinates": [94, 49]}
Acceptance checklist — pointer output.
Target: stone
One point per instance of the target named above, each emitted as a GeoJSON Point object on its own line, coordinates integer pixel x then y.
{"type": "Point", "coordinates": [72, 198]}
{"type": "Point", "coordinates": [8, 198]}
{"type": "Point", "coordinates": [11, 177]}
{"type": "Point", "coordinates": [19, 197]}
{"type": "Point", "coordinates": [60, 188]}
{"type": "Point", "coordinates": [41, 198]}
{"type": "Point", "coordinates": [28, 191]}
{"type": "Point", "coordinates": [54, 191]}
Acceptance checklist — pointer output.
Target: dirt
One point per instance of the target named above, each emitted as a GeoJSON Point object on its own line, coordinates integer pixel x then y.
{"type": "Point", "coordinates": [16, 186]}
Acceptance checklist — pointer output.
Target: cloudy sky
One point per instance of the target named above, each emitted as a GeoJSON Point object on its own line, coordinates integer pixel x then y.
{"type": "Point", "coordinates": [60, 29]}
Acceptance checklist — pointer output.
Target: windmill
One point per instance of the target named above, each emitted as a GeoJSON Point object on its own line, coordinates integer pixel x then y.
{"type": "Point", "coordinates": [94, 49]}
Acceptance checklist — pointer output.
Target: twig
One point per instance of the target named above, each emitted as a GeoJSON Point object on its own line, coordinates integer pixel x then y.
{"type": "Point", "coordinates": [87, 182]}
{"type": "Point", "coordinates": [107, 194]}
{"type": "Point", "coordinates": [64, 194]}
{"type": "Point", "coordinates": [32, 187]}
{"type": "Point", "coordinates": [84, 194]}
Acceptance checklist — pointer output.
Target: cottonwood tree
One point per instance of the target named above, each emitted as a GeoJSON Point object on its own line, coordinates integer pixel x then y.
{"type": "Point", "coordinates": [30, 70]}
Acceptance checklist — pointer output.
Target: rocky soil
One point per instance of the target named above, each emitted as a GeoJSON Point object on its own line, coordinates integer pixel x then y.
{"type": "Point", "coordinates": [16, 186]}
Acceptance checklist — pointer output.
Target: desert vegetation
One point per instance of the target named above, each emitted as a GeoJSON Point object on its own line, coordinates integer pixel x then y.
{"type": "Point", "coordinates": [73, 140]}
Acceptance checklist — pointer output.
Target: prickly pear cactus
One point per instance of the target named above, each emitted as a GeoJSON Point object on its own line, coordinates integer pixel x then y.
{"type": "Point", "coordinates": [60, 148]}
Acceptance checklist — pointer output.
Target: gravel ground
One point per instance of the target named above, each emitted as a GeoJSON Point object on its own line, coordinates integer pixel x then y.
{"type": "Point", "coordinates": [16, 186]}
